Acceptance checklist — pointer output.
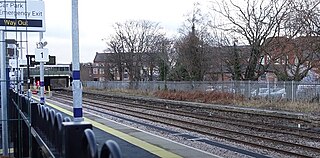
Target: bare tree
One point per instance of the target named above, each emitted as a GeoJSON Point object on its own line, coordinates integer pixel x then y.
{"type": "Point", "coordinates": [193, 47]}
{"type": "Point", "coordinates": [117, 47]}
{"type": "Point", "coordinates": [134, 43]}
{"type": "Point", "coordinates": [257, 21]}
{"type": "Point", "coordinates": [162, 61]}
{"type": "Point", "coordinates": [231, 56]}
{"type": "Point", "coordinates": [297, 52]}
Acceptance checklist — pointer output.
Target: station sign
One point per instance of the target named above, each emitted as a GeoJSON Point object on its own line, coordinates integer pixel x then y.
{"type": "Point", "coordinates": [42, 55]}
{"type": "Point", "coordinates": [22, 16]}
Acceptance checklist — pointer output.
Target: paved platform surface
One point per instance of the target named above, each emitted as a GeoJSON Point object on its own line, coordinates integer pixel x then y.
{"type": "Point", "coordinates": [135, 143]}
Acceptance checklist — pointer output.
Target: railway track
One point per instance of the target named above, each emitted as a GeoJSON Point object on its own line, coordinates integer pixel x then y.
{"type": "Point", "coordinates": [207, 116]}
{"type": "Point", "coordinates": [287, 140]}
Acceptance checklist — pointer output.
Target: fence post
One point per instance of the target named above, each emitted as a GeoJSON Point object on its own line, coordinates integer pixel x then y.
{"type": "Point", "coordinates": [269, 93]}
{"type": "Point", "coordinates": [292, 95]}
{"type": "Point", "coordinates": [249, 87]}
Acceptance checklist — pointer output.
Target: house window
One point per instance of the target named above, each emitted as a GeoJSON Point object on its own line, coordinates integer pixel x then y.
{"type": "Point", "coordinates": [95, 71]}
{"type": "Point", "coordinates": [101, 79]}
{"type": "Point", "coordinates": [101, 71]}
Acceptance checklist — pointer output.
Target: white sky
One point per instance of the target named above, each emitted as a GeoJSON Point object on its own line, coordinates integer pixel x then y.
{"type": "Point", "coordinates": [96, 18]}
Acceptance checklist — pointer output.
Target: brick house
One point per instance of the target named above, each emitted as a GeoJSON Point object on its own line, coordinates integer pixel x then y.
{"type": "Point", "coordinates": [111, 66]}
{"type": "Point", "coordinates": [278, 50]}
{"type": "Point", "coordinates": [86, 72]}
{"type": "Point", "coordinates": [283, 53]}
{"type": "Point", "coordinates": [101, 67]}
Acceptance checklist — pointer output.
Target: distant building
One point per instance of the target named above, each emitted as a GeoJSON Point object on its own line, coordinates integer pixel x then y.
{"type": "Point", "coordinates": [219, 61]}
{"type": "Point", "coordinates": [86, 72]}
{"type": "Point", "coordinates": [102, 67]}
{"type": "Point", "coordinates": [117, 66]}
{"type": "Point", "coordinates": [286, 55]}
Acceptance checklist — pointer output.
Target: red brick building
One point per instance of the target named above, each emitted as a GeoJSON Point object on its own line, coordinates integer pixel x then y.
{"type": "Point", "coordinates": [280, 54]}
{"type": "Point", "coordinates": [293, 56]}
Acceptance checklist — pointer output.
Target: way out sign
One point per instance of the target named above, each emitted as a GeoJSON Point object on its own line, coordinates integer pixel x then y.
{"type": "Point", "coordinates": [42, 55]}
{"type": "Point", "coordinates": [22, 16]}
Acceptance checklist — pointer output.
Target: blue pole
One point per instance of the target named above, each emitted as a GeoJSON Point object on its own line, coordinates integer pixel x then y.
{"type": "Point", "coordinates": [76, 83]}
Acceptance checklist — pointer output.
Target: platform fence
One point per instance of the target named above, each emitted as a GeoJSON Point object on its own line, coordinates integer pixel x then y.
{"type": "Point", "coordinates": [39, 131]}
{"type": "Point", "coordinates": [286, 90]}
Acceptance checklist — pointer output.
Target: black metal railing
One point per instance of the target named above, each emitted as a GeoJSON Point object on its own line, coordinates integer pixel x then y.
{"type": "Point", "coordinates": [40, 131]}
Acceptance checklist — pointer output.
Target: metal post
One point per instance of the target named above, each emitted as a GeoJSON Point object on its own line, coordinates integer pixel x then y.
{"type": "Point", "coordinates": [21, 69]}
{"type": "Point", "coordinates": [4, 94]}
{"type": "Point", "coordinates": [21, 80]}
{"type": "Point", "coordinates": [292, 96]}
{"type": "Point", "coordinates": [268, 88]}
{"type": "Point", "coordinates": [249, 89]}
{"type": "Point", "coordinates": [42, 101]}
{"type": "Point", "coordinates": [15, 57]}
{"type": "Point", "coordinates": [76, 83]}
{"type": "Point", "coordinates": [28, 77]}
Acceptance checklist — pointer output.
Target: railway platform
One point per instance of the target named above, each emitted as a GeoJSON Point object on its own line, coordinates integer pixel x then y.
{"type": "Point", "coordinates": [133, 143]}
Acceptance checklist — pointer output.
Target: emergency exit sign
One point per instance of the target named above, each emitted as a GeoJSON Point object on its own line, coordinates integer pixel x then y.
{"type": "Point", "coordinates": [22, 16]}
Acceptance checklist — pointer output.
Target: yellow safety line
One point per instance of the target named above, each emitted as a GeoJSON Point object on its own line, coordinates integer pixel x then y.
{"type": "Point", "coordinates": [140, 143]}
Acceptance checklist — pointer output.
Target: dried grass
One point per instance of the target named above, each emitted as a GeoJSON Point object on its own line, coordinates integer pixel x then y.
{"type": "Point", "coordinates": [231, 99]}
{"type": "Point", "coordinates": [198, 96]}
{"type": "Point", "coordinates": [223, 99]}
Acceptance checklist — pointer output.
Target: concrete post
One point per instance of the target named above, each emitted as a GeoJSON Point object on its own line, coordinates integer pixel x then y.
{"type": "Point", "coordinates": [76, 83]}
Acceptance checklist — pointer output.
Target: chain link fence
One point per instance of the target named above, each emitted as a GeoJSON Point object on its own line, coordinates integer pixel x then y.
{"type": "Point", "coordinates": [284, 90]}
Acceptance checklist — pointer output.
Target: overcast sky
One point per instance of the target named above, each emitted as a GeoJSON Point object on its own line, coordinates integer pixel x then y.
{"type": "Point", "coordinates": [96, 18]}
